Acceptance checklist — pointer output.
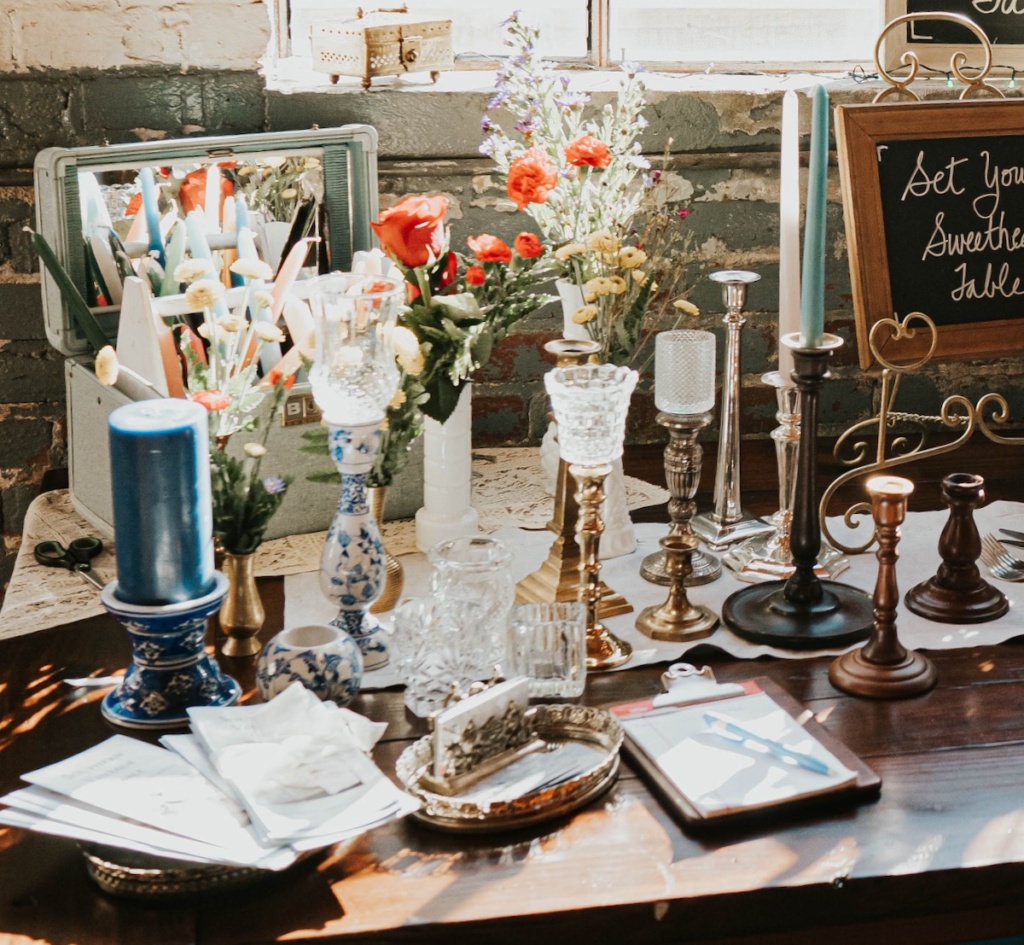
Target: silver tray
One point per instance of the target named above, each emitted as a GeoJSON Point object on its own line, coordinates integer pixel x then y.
{"type": "Point", "coordinates": [126, 873]}
{"type": "Point", "coordinates": [559, 723]}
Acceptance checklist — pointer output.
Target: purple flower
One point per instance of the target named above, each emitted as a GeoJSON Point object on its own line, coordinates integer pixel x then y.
{"type": "Point", "coordinates": [498, 99]}
{"type": "Point", "coordinates": [272, 485]}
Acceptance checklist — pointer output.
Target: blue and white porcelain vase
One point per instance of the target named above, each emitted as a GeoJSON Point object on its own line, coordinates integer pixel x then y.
{"type": "Point", "coordinates": [322, 658]}
{"type": "Point", "coordinates": [352, 565]}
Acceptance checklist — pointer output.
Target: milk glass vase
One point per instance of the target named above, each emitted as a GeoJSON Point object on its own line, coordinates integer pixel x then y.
{"type": "Point", "coordinates": [353, 378]}
{"type": "Point", "coordinates": [590, 403]}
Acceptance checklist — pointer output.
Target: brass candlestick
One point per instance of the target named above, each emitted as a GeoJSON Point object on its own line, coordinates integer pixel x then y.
{"type": "Point", "coordinates": [883, 668]}
{"type": "Point", "coordinates": [557, 580]}
{"type": "Point", "coordinates": [677, 620]}
{"type": "Point", "coordinates": [682, 475]}
{"type": "Point", "coordinates": [604, 649]}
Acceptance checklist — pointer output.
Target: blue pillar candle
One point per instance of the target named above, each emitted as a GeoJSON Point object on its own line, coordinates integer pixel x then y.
{"type": "Point", "coordinates": [812, 291]}
{"type": "Point", "coordinates": [163, 511]}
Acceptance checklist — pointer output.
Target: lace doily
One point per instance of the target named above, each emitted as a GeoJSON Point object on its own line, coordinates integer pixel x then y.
{"type": "Point", "coordinates": [508, 490]}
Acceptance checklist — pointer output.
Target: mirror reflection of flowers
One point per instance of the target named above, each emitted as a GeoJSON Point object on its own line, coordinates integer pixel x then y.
{"type": "Point", "coordinates": [613, 225]}
{"type": "Point", "coordinates": [223, 373]}
{"type": "Point", "coordinates": [244, 501]}
{"type": "Point", "coordinates": [458, 308]}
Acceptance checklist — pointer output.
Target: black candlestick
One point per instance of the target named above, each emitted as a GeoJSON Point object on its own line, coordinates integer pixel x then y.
{"type": "Point", "coordinates": [803, 612]}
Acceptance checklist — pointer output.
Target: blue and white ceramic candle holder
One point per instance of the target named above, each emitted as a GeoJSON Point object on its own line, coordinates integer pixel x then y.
{"type": "Point", "coordinates": [170, 670]}
{"type": "Point", "coordinates": [322, 658]}
{"type": "Point", "coordinates": [352, 566]}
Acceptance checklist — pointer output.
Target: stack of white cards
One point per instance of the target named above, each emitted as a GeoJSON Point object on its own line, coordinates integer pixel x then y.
{"type": "Point", "coordinates": [251, 786]}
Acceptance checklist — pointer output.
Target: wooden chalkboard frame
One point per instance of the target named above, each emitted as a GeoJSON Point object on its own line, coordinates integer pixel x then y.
{"type": "Point", "coordinates": [938, 55]}
{"type": "Point", "coordinates": [859, 128]}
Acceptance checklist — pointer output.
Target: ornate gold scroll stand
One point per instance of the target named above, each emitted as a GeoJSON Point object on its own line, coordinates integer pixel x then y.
{"type": "Point", "coordinates": [974, 80]}
{"type": "Point", "coordinates": [896, 446]}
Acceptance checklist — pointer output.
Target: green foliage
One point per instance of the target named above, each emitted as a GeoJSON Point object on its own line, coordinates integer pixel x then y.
{"type": "Point", "coordinates": [244, 503]}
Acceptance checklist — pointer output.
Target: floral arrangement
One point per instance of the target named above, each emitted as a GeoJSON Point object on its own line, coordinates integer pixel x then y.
{"type": "Point", "coordinates": [243, 501]}
{"type": "Point", "coordinates": [612, 223]}
{"type": "Point", "coordinates": [458, 308]}
{"type": "Point", "coordinates": [223, 375]}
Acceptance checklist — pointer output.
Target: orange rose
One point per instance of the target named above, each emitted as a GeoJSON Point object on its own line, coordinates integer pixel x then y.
{"type": "Point", "coordinates": [211, 399]}
{"type": "Point", "coordinates": [475, 275]}
{"type": "Point", "coordinates": [192, 192]}
{"type": "Point", "coordinates": [412, 231]}
{"type": "Point", "coordinates": [528, 245]}
{"type": "Point", "coordinates": [588, 151]}
{"type": "Point", "coordinates": [489, 248]}
{"type": "Point", "coordinates": [531, 178]}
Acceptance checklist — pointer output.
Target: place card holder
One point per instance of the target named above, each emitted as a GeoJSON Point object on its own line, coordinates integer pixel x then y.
{"type": "Point", "coordinates": [479, 735]}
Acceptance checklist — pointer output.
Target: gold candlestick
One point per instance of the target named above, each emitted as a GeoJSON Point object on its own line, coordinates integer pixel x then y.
{"type": "Point", "coordinates": [557, 579]}
{"type": "Point", "coordinates": [883, 668]}
{"type": "Point", "coordinates": [604, 649]}
{"type": "Point", "coordinates": [677, 620]}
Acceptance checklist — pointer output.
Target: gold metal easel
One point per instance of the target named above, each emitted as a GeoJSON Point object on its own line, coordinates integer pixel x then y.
{"type": "Point", "coordinates": [901, 436]}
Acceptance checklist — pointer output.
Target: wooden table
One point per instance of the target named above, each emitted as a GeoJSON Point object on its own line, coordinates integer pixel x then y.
{"type": "Point", "coordinates": [938, 858]}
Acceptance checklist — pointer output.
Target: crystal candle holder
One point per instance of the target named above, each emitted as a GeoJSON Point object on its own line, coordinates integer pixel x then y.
{"type": "Point", "coordinates": [684, 393]}
{"type": "Point", "coordinates": [684, 372]}
{"type": "Point", "coordinates": [353, 378]}
{"type": "Point", "coordinates": [590, 403]}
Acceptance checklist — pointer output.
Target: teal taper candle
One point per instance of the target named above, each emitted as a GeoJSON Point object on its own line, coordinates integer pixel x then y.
{"type": "Point", "coordinates": [163, 512]}
{"type": "Point", "coordinates": [812, 289]}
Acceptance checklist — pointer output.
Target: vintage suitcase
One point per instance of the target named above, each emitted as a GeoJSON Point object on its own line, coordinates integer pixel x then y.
{"type": "Point", "coordinates": [346, 182]}
{"type": "Point", "coordinates": [382, 42]}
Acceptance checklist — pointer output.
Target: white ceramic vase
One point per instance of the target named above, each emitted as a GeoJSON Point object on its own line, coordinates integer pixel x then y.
{"type": "Point", "coordinates": [447, 477]}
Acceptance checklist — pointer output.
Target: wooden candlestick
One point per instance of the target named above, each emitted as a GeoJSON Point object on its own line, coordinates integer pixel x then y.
{"type": "Point", "coordinates": [883, 668]}
{"type": "Point", "coordinates": [958, 593]}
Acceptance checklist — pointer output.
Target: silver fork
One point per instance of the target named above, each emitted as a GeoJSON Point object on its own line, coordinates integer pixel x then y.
{"type": "Point", "coordinates": [999, 561]}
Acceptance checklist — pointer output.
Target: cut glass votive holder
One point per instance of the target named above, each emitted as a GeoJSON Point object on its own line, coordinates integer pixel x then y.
{"type": "Point", "coordinates": [547, 643]}
{"type": "Point", "coordinates": [590, 402]}
{"type": "Point", "coordinates": [438, 650]}
{"type": "Point", "coordinates": [354, 373]}
{"type": "Point", "coordinates": [684, 372]}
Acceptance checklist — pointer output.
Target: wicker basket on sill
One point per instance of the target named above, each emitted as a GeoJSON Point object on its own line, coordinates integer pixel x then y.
{"type": "Point", "coordinates": [382, 42]}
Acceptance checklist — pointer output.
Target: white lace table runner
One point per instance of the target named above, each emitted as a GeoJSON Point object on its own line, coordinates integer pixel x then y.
{"type": "Point", "coordinates": [919, 559]}
{"type": "Point", "coordinates": [508, 490]}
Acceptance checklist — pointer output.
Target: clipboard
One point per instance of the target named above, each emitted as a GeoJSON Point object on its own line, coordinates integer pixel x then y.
{"type": "Point", "coordinates": [863, 784]}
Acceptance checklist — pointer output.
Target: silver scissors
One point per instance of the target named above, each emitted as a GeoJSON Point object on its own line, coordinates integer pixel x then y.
{"type": "Point", "coordinates": [76, 557]}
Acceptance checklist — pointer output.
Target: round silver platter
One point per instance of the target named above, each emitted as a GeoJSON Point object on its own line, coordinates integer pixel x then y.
{"type": "Point", "coordinates": [556, 724]}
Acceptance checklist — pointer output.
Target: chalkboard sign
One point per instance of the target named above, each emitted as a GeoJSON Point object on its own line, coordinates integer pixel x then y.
{"type": "Point", "coordinates": [933, 195]}
{"type": "Point", "coordinates": [1001, 20]}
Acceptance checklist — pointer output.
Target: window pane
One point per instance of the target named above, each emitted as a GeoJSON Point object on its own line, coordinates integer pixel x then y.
{"type": "Point", "coordinates": [476, 27]}
{"type": "Point", "coordinates": [743, 30]}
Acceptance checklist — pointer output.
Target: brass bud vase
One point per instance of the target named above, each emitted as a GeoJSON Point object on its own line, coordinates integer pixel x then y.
{"type": "Point", "coordinates": [394, 578]}
{"type": "Point", "coordinates": [241, 614]}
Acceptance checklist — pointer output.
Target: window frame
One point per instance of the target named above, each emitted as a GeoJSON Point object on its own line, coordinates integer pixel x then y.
{"type": "Point", "coordinates": [599, 50]}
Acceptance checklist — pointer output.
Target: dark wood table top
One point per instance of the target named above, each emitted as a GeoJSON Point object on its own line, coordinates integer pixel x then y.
{"type": "Point", "coordinates": [937, 858]}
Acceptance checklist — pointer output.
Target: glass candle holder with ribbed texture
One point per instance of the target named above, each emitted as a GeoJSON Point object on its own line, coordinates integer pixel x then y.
{"type": "Point", "coordinates": [684, 372]}
{"type": "Point", "coordinates": [590, 402]}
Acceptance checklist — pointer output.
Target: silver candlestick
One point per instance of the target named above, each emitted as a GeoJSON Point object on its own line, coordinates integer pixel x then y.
{"type": "Point", "coordinates": [769, 557]}
{"type": "Point", "coordinates": [728, 523]}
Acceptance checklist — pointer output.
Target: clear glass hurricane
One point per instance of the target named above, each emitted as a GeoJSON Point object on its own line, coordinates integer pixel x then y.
{"type": "Point", "coordinates": [354, 374]}
{"type": "Point", "coordinates": [590, 402]}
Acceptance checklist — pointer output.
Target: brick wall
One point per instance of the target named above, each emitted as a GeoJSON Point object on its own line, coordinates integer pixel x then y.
{"type": "Point", "coordinates": [190, 68]}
